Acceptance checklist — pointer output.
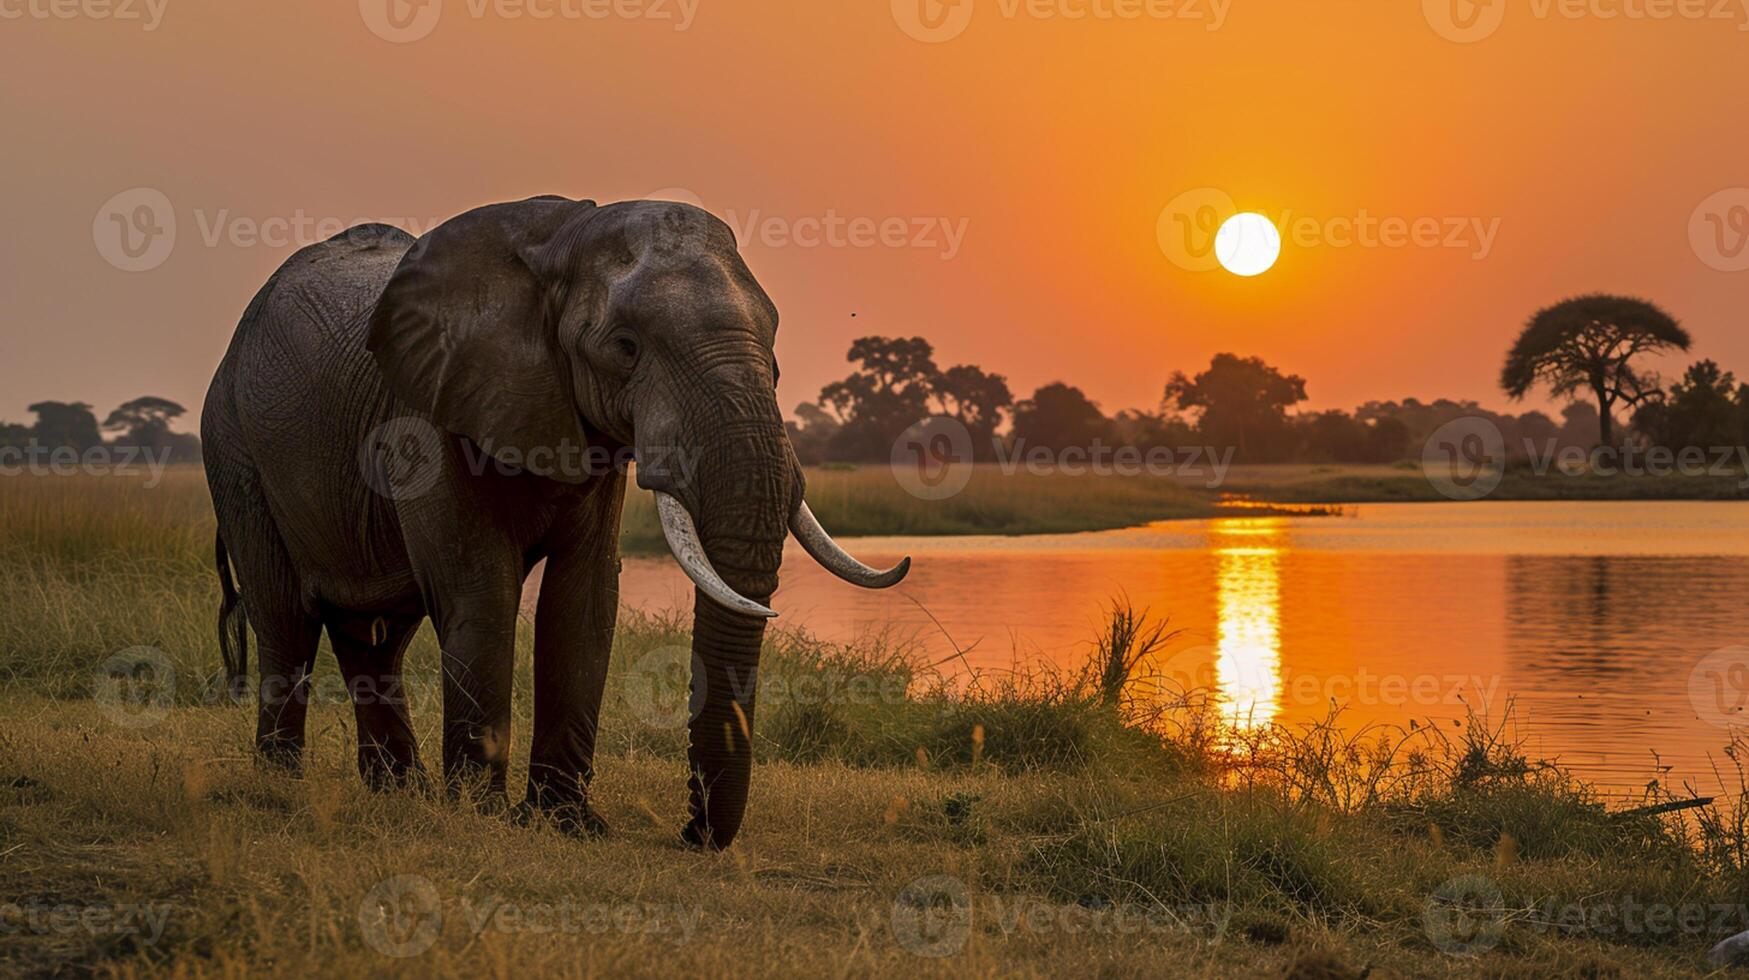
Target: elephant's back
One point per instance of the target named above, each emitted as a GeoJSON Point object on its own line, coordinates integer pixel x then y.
{"type": "Point", "coordinates": [303, 394]}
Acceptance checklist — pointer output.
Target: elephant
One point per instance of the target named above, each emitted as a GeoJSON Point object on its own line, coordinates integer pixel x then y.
{"type": "Point", "coordinates": [404, 427]}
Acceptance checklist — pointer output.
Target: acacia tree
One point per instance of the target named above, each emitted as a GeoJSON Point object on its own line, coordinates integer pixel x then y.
{"type": "Point", "coordinates": [144, 421]}
{"type": "Point", "coordinates": [1588, 343]}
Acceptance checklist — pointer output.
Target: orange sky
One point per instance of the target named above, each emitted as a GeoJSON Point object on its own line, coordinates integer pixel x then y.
{"type": "Point", "coordinates": [1054, 143]}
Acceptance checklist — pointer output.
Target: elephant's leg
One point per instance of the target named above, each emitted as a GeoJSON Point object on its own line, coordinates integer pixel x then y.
{"type": "Point", "coordinates": [479, 650]}
{"type": "Point", "coordinates": [573, 638]}
{"type": "Point", "coordinates": [288, 657]}
{"type": "Point", "coordinates": [271, 596]}
{"type": "Point", "coordinates": [470, 574]}
{"type": "Point", "coordinates": [370, 650]}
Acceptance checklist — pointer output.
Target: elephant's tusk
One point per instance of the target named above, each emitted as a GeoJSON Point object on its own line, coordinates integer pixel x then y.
{"type": "Point", "coordinates": [816, 542]}
{"type": "Point", "coordinates": [682, 537]}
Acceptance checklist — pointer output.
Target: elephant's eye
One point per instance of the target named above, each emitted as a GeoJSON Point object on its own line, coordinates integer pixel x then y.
{"type": "Point", "coordinates": [627, 347]}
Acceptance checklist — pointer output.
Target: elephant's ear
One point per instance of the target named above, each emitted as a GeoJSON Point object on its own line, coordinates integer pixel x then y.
{"type": "Point", "coordinates": [463, 330]}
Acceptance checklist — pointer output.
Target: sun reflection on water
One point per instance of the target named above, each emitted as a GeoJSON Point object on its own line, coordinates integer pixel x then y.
{"type": "Point", "coordinates": [1248, 634]}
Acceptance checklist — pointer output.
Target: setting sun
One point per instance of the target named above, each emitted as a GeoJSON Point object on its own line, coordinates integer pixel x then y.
{"type": "Point", "coordinates": [1247, 244]}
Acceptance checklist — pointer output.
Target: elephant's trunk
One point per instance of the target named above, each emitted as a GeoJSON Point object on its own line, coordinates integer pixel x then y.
{"type": "Point", "coordinates": [753, 488]}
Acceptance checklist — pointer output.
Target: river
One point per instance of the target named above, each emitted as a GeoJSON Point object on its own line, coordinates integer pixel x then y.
{"type": "Point", "coordinates": [1609, 624]}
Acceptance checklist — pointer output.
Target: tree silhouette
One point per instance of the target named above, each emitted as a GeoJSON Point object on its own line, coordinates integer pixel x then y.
{"type": "Point", "coordinates": [1588, 343]}
{"type": "Point", "coordinates": [1701, 410]}
{"type": "Point", "coordinates": [977, 399]}
{"type": "Point", "coordinates": [1058, 416]}
{"type": "Point", "coordinates": [887, 393]}
{"type": "Point", "coordinates": [812, 435]}
{"type": "Point", "coordinates": [1243, 402]}
{"type": "Point", "coordinates": [65, 424]}
{"type": "Point", "coordinates": [145, 420]}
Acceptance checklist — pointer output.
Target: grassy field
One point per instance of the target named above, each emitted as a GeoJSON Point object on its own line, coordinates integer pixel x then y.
{"type": "Point", "coordinates": [1034, 826]}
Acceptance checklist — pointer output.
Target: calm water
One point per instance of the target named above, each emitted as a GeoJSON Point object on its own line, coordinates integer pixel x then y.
{"type": "Point", "coordinates": [1594, 616]}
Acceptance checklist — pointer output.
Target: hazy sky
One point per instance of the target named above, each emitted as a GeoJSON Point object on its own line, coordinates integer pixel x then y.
{"type": "Point", "coordinates": [1038, 147]}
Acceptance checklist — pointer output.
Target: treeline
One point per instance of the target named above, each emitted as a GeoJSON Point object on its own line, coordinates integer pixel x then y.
{"type": "Point", "coordinates": [1238, 402]}
{"type": "Point", "coordinates": [142, 424]}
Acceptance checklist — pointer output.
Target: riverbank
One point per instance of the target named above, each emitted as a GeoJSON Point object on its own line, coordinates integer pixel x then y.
{"type": "Point", "coordinates": [1033, 825]}
{"type": "Point", "coordinates": [1406, 483]}
{"type": "Point", "coordinates": [868, 501]}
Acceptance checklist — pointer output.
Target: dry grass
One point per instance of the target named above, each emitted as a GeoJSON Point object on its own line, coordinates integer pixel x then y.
{"type": "Point", "coordinates": [1016, 826]}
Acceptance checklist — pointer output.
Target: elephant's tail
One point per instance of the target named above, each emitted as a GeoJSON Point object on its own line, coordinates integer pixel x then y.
{"type": "Point", "coordinates": [233, 624]}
